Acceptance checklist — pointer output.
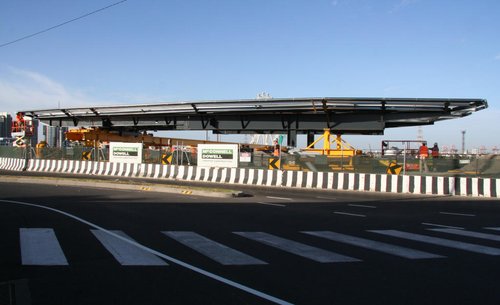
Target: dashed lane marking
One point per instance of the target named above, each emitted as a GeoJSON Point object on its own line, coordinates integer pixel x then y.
{"type": "Point", "coordinates": [279, 198]}
{"type": "Point", "coordinates": [457, 214]}
{"type": "Point", "coordinates": [362, 206]}
{"type": "Point", "coordinates": [272, 204]}
{"type": "Point", "coordinates": [327, 198]}
{"type": "Point", "coordinates": [350, 214]}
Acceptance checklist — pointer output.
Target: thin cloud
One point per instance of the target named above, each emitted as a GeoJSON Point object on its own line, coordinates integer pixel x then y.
{"type": "Point", "coordinates": [28, 90]}
{"type": "Point", "coordinates": [497, 57]}
{"type": "Point", "coordinates": [402, 4]}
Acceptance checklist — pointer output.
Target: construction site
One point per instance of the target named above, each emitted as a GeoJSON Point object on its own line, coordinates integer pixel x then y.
{"type": "Point", "coordinates": [270, 146]}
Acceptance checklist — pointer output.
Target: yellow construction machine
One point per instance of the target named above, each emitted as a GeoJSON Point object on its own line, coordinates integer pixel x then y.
{"type": "Point", "coordinates": [93, 137]}
{"type": "Point", "coordinates": [339, 153]}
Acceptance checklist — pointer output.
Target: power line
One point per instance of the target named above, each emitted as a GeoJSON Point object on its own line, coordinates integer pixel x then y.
{"type": "Point", "coordinates": [61, 24]}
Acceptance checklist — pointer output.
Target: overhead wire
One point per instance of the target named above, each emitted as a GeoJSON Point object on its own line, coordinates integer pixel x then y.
{"type": "Point", "coordinates": [61, 24]}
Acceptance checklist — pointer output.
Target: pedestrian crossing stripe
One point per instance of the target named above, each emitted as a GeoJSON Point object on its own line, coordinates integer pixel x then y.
{"type": "Point", "coordinates": [212, 249]}
{"type": "Point", "coordinates": [374, 245]}
{"type": "Point", "coordinates": [468, 234]}
{"type": "Point", "coordinates": [394, 168]}
{"type": "Point", "coordinates": [125, 253]}
{"type": "Point", "coordinates": [440, 242]}
{"type": "Point", "coordinates": [40, 246]}
{"type": "Point", "coordinates": [310, 252]}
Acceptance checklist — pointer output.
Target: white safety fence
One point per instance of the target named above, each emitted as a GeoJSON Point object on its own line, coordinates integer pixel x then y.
{"type": "Point", "coordinates": [431, 185]}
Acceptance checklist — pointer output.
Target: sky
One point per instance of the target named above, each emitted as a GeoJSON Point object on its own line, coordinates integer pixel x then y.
{"type": "Point", "coordinates": [149, 51]}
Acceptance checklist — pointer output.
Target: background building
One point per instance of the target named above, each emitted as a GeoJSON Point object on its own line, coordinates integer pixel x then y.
{"type": "Point", "coordinates": [5, 125]}
{"type": "Point", "coordinates": [5, 128]}
{"type": "Point", "coordinates": [54, 136]}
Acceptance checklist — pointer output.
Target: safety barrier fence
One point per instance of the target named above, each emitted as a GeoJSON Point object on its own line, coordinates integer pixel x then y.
{"type": "Point", "coordinates": [407, 184]}
{"type": "Point", "coordinates": [453, 165]}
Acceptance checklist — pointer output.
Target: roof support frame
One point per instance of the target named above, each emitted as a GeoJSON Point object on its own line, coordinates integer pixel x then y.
{"type": "Point", "coordinates": [301, 115]}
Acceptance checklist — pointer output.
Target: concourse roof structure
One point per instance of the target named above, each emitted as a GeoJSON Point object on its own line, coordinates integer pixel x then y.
{"type": "Point", "coordinates": [290, 116]}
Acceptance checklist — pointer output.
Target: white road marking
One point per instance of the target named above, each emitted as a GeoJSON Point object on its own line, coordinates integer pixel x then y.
{"type": "Point", "coordinates": [125, 253]}
{"type": "Point", "coordinates": [327, 198]}
{"type": "Point", "coordinates": [290, 246]}
{"type": "Point", "coordinates": [350, 214]}
{"type": "Point", "coordinates": [493, 228]}
{"type": "Point", "coordinates": [272, 204]}
{"type": "Point", "coordinates": [279, 198]}
{"type": "Point", "coordinates": [213, 250]}
{"type": "Point", "coordinates": [40, 247]}
{"type": "Point", "coordinates": [440, 242]}
{"type": "Point", "coordinates": [441, 226]}
{"type": "Point", "coordinates": [457, 214]}
{"type": "Point", "coordinates": [469, 234]}
{"type": "Point", "coordinates": [168, 258]}
{"type": "Point", "coordinates": [362, 206]}
{"type": "Point", "coordinates": [373, 245]}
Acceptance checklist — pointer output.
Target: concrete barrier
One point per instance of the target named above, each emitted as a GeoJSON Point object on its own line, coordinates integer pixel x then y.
{"type": "Point", "coordinates": [404, 184]}
{"type": "Point", "coordinates": [12, 164]}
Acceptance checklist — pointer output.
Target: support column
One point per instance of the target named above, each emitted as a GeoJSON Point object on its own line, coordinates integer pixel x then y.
{"type": "Point", "coordinates": [291, 138]}
{"type": "Point", "coordinates": [310, 137]}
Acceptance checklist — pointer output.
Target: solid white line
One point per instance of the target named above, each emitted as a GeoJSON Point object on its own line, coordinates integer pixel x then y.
{"type": "Point", "coordinates": [457, 214]}
{"type": "Point", "coordinates": [373, 245]}
{"type": "Point", "coordinates": [125, 253]}
{"type": "Point", "coordinates": [279, 198]}
{"type": "Point", "coordinates": [350, 214]}
{"type": "Point", "coordinates": [40, 247]}
{"type": "Point", "coordinates": [362, 206]}
{"type": "Point", "coordinates": [272, 204]}
{"type": "Point", "coordinates": [168, 258]}
{"type": "Point", "coordinates": [440, 242]}
{"type": "Point", "coordinates": [290, 246]}
{"type": "Point", "coordinates": [441, 226]}
{"type": "Point", "coordinates": [212, 249]}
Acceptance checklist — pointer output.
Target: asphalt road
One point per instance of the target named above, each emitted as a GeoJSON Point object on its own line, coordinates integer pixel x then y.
{"type": "Point", "coordinates": [275, 247]}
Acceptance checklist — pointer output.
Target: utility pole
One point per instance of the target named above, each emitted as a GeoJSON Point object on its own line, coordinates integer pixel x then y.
{"type": "Point", "coordinates": [420, 134]}
{"type": "Point", "coordinates": [463, 141]}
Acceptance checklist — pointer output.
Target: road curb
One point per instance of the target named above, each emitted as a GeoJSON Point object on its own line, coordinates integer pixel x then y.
{"type": "Point", "coordinates": [121, 185]}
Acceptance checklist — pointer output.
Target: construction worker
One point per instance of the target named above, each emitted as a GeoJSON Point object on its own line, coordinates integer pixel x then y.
{"type": "Point", "coordinates": [276, 151]}
{"type": "Point", "coordinates": [435, 151]}
{"type": "Point", "coordinates": [423, 154]}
